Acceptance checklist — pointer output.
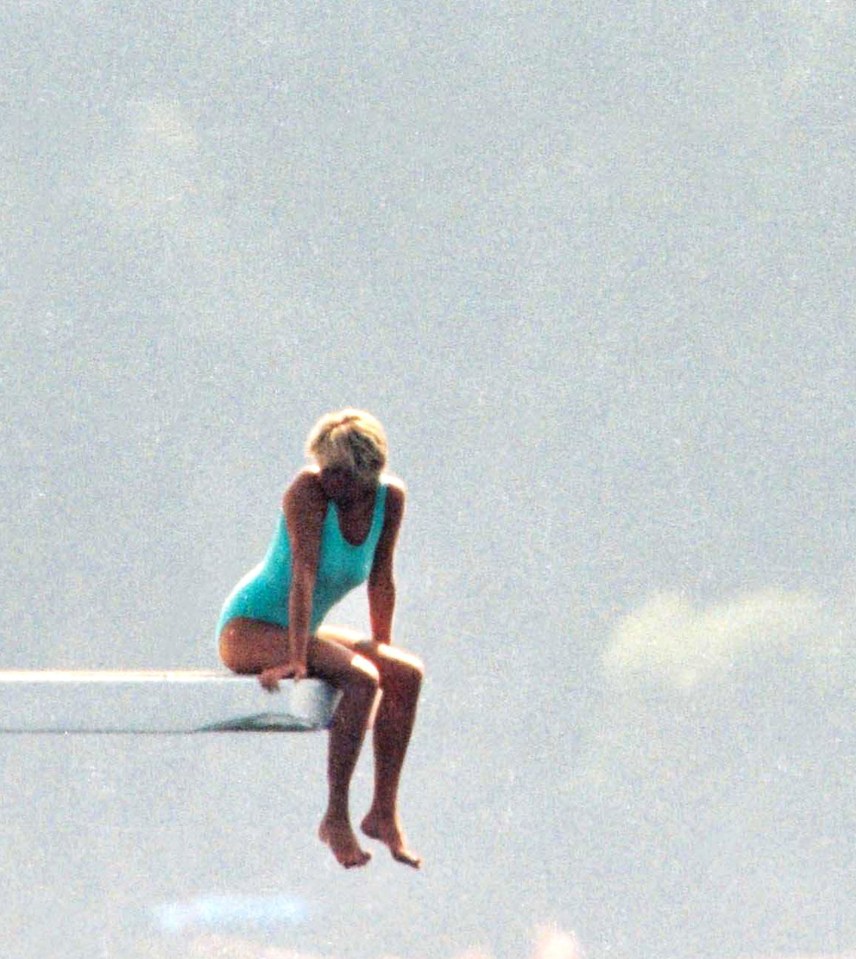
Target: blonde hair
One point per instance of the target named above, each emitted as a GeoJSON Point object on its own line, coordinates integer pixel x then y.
{"type": "Point", "coordinates": [350, 438]}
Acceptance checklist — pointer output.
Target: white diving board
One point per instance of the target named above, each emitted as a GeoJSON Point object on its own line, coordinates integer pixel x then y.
{"type": "Point", "coordinates": [157, 701]}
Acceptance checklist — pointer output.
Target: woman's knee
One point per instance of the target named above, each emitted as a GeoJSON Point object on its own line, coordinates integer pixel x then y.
{"type": "Point", "coordinates": [401, 671]}
{"type": "Point", "coordinates": [348, 671]}
{"type": "Point", "coordinates": [364, 673]}
{"type": "Point", "coordinates": [361, 683]}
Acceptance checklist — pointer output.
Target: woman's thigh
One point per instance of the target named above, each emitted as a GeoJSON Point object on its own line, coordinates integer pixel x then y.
{"type": "Point", "coordinates": [385, 657]}
{"type": "Point", "coordinates": [342, 636]}
{"type": "Point", "coordinates": [249, 646]}
{"type": "Point", "coordinates": [339, 664]}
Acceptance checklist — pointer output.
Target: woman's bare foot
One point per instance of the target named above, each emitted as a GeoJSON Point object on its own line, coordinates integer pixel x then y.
{"type": "Point", "coordinates": [341, 839]}
{"type": "Point", "coordinates": [388, 831]}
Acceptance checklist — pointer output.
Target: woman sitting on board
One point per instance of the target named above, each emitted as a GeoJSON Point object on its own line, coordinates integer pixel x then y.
{"type": "Point", "coordinates": [339, 524]}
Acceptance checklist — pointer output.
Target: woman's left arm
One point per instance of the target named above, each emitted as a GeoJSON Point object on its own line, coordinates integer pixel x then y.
{"type": "Point", "coordinates": [382, 577]}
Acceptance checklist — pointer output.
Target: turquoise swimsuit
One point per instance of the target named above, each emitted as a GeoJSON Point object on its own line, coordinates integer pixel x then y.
{"type": "Point", "coordinates": [263, 592]}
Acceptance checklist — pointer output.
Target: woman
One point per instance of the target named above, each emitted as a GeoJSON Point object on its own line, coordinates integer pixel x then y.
{"type": "Point", "coordinates": [339, 525]}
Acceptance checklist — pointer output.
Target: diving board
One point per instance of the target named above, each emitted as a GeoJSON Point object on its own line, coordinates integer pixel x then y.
{"type": "Point", "coordinates": [157, 701]}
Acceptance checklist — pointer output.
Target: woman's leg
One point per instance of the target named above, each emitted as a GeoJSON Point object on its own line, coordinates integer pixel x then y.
{"type": "Point", "coordinates": [250, 646]}
{"type": "Point", "coordinates": [358, 681]}
{"type": "Point", "coordinates": [400, 681]}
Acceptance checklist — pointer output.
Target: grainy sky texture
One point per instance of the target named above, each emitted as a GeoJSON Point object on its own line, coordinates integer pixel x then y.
{"type": "Point", "coordinates": [592, 264]}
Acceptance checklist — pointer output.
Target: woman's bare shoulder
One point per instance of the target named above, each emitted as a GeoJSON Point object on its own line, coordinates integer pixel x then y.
{"type": "Point", "coordinates": [395, 485]}
{"type": "Point", "coordinates": [396, 493]}
{"type": "Point", "coordinates": [304, 490]}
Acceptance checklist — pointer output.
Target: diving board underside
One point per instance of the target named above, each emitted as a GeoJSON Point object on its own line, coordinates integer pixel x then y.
{"type": "Point", "coordinates": [157, 701]}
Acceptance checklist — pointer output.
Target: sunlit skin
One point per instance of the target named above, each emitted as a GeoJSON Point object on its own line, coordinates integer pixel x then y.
{"type": "Point", "coordinates": [371, 674]}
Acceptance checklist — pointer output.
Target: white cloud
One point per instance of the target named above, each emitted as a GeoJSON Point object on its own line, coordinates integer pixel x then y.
{"type": "Point", "coordinates": [233, 947]}
{"type": "Point", "coordinates": [550, 943]}
{"type": "Point", "coordinates": [837, 955]}
{"type": "Point", "coordinates": [671, 642]}
{"type": "Point", "coordinates": [224, 911]}
{"type": "Point", "coordinates": [553, 943]}
{"type": "Point", "coordinates": [158, 181]}
{"type": "Point", "coordinates": [153, 172]}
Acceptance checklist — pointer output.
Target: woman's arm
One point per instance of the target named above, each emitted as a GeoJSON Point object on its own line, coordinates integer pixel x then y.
{"type": "Point", "coordinates": [381, 586]}
{"type": "Point", "coordinates": [304, 505]}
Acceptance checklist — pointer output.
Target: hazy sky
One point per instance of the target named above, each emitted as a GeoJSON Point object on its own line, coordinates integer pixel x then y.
{"type": "Point", "coordinates": [592, 264]}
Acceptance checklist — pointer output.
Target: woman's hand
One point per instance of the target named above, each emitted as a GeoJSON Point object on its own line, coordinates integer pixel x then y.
{"type": "Point", "coordinates": [293, 669]}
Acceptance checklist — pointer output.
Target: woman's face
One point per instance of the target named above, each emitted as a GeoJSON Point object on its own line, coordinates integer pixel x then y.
{"type": "Point", "coordinates": [342, 484]}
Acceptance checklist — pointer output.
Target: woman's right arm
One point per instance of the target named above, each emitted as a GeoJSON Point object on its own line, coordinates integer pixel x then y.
{"type": "Point", "coordinates": [305, 507]}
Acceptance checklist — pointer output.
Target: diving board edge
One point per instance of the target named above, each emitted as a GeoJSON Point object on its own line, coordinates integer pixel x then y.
{"type": "Point", "coordinates": [168, 701]}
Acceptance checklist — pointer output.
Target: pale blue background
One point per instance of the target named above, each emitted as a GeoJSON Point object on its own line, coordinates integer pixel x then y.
{"type": "Point", "coordinates": [592, 264]}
